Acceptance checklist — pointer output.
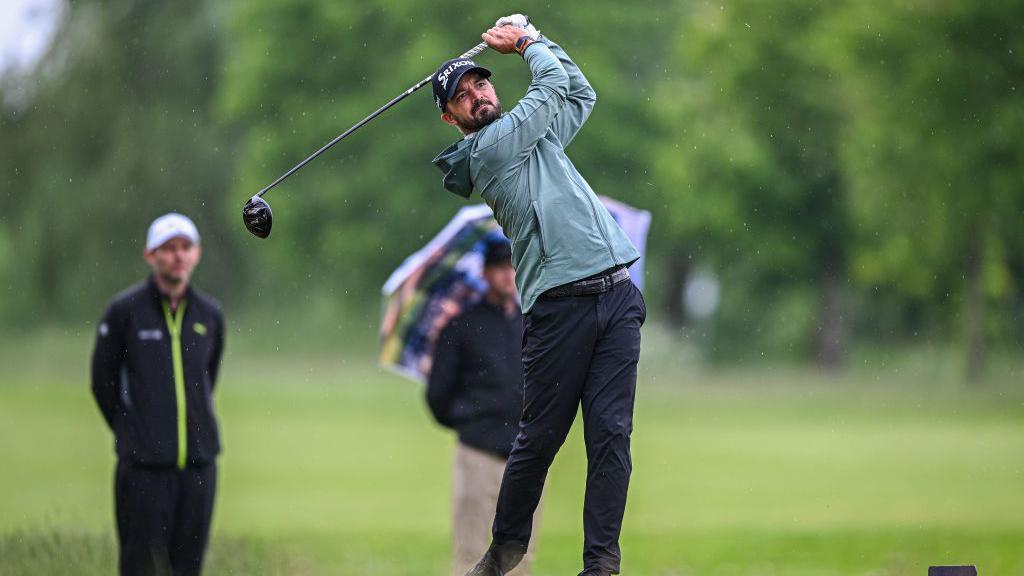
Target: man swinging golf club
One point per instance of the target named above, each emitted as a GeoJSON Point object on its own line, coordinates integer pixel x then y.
{"type": "Point", "coordinates": [582, 314]}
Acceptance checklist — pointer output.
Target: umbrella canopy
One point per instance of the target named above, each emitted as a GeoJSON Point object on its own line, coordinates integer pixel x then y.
{"type": "Point", "coordinates": [446, 276]}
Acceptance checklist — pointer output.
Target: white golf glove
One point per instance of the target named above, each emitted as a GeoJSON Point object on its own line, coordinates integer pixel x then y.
{"type": "Point", "coordinates": [519, 21]}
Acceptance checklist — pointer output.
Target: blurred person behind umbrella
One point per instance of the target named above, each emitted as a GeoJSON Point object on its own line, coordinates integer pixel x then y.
{"type": "Point", "coordinates": [475, 387]}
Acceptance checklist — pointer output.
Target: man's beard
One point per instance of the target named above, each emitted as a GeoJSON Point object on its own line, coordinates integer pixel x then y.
{"type": "Point", "coordinates": [172, 279]}
{"type": "Point", "coordinates": [476, 122]}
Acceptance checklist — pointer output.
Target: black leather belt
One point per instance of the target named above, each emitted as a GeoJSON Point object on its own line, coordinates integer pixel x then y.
{"type": "Point", "coordinates": [598, 284]}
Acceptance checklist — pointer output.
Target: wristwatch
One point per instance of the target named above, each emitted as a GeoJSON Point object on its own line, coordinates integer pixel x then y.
{"type": "Point", "coordinates": [523, 42]}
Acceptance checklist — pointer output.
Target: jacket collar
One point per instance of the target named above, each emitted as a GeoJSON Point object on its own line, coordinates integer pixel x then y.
{"type": "Point", "coordinates": [156, 296]}
{"type": "Point", "coordinates": [454, 163]}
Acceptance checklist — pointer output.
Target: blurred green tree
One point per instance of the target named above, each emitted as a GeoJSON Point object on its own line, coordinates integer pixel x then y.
{"type": "Point", "coordinates": [115, 131]}
{"type": "Point", "coordinates": [753, 179]}
{"type": "Point", "coordinates": [849, 170]}
{"type": "Point", "coordinates": [299, 74]}
{"type": "Point", "coordinates": [934, 156]}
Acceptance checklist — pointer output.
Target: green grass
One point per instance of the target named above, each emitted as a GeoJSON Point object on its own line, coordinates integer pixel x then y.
{"type": "Point", "coordinates": [333, 466]}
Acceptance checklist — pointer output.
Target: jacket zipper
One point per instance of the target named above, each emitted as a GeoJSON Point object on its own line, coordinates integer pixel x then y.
{"type": "Point", "coordinates": [540, 233]}
{"type": "Point", "coordinates": [174, 327]}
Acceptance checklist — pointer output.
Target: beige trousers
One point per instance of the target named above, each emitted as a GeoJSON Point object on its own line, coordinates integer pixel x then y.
{"type": "Point", "coordinates": [476, 478]}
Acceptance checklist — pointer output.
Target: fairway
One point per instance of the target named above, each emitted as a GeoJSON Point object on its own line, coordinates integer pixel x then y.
{"type": "Point", "coordinates": [332, 466]}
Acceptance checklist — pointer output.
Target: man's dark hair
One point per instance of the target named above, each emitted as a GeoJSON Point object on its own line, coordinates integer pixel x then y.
{"type": "Point", "coordinates": [498, 253]}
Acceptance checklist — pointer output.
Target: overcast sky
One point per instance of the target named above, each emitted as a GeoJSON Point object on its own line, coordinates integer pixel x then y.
{"type": "Point", "coordinates": [26, 29]}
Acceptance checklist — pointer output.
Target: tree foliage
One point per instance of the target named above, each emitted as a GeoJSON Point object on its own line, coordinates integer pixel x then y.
{"type": "Point", "coordinates": [934, 155]}
{"type": "Point", "coordinates": [753, 157]}
{"type": "Point", "coordinates": [314, 69]}
{"type": "Point", "coordinates": [119, 130]}
{"type": "Point", "coordinates": [850, 171]}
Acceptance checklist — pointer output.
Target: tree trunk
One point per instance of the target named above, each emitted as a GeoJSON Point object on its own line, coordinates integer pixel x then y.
{"type": "Point", "coordinates": [830, 332]}
{"type": "Point", "coordinates": [49, 263]}
{"type": "Point", "coordinates": [974, 309]}
{"type": "Point", "coordinates": [829, 340]}
{"type": "Point", "coordinates": [676, 268]}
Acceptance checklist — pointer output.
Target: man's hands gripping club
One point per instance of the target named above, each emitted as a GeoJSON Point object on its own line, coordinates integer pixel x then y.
{"type": "Point", "coordinates": [518, 21]}
{"type": "Point", "coordinates": [507, 31]}
{"type": "Point", "coordinates": [503, 38]}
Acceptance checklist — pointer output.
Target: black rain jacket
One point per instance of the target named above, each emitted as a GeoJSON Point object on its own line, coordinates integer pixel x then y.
{"type": "Point", "coordinates": [476, 379]}
{"type": "Point", "coordinates": [134, 381]}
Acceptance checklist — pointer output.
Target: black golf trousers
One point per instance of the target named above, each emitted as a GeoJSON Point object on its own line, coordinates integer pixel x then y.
{"type": "Point", "coordinates": [577, 350]}
{"type": "Point", "coordinates": [163, 518]}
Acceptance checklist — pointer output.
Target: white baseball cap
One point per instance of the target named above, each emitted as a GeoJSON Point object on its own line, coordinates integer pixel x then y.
{"type": "Point", "coordinates": [170, 225]}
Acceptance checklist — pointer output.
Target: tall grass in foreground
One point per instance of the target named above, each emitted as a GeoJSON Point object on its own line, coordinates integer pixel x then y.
{"type": "Point", "coordinates": [66, 551]}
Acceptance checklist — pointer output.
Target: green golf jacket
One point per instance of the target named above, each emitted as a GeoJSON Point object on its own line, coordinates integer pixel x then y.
{"type": "Point", "coordinates": [559, 229]}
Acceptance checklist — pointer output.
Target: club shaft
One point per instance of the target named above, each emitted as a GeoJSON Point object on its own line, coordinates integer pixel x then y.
{"type": "Point", "coordinates": [469, 54]}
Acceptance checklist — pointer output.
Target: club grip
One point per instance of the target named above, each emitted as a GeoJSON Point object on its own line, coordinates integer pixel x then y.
{"type": "Point", "coordinates": [475, 50]}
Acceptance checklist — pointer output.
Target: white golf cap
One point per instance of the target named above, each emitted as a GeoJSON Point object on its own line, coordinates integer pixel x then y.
{"type": "Point", "coordinates": [171, 225]}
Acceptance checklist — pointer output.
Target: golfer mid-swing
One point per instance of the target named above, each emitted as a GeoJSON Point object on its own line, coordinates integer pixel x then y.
{"type": "Point", "coordinates": [582, 315]}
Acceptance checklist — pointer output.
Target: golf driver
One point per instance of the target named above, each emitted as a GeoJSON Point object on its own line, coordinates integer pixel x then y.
{"type": "Point", "coordinates": [256, 213]}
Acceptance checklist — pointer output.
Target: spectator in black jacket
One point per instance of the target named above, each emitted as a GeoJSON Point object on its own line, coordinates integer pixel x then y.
{"type": "Point", "coordinates": [154, 366]}
{"type": "Point", "coordinates": [476, 388]}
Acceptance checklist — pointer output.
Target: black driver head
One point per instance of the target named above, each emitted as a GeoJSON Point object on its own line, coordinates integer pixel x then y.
{"type": "Point", "coordinates": [257, 217]}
